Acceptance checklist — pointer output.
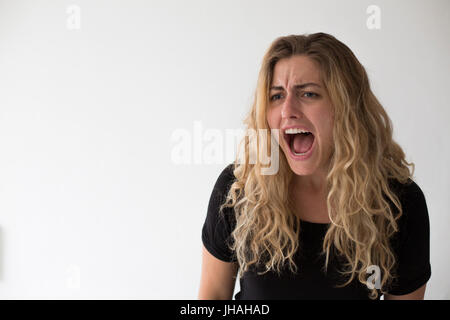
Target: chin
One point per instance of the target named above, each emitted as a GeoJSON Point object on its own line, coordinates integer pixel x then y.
{"type": "Point", "coordinates": [301, 169]}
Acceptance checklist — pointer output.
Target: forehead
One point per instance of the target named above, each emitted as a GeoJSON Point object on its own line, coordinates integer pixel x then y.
{"type": "Point", "coordinates": [294, 70]}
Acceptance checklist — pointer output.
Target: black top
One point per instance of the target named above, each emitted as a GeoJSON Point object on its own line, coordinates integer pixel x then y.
{"type": "Point", "coordinates": [410, 245]}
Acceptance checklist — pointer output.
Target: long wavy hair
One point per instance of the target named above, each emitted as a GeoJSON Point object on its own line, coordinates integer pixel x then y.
{"type": "Point", "coordinates": [359, 193]}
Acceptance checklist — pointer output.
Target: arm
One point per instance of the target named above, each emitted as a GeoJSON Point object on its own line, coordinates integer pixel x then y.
{"type": "Point", "coordinates": [217, 278]}
{"type": "Point", "coordinates": [415, 295]}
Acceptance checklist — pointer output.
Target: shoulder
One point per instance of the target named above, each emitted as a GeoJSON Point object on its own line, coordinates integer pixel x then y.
{"type": "Point", "coordinates": [412, 199]}
{"type": "Point", "coordinates": [220, 190]}
{"type": "Point", "coordinates": [408, 190]}
{"type": "Point", "coordinates": [414, 224]}
{"type": "Point", "coordinates": [227, 177]}
{"type": "Point", "coordinates": [224, 181]}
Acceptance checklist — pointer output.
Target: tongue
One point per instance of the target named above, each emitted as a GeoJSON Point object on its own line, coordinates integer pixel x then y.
{"type": "Point", "coordinates": [302, 142]}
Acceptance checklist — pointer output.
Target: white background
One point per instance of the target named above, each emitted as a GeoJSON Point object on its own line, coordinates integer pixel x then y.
{"type": "Point", "coordinates": [92, 204]}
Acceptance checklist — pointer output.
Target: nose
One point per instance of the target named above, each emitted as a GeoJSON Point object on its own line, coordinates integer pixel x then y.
{"type": "Point", "coordinates": [290, 107]}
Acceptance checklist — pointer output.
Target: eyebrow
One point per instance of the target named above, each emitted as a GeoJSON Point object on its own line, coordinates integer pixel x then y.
{"type": "Point", "coordinates": [297, 86]}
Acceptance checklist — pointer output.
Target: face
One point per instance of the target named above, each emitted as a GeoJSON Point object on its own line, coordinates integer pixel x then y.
{"type": "Point", "coordinates": [298, 99]}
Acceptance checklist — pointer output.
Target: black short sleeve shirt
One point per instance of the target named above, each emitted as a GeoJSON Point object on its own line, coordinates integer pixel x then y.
{"type": "Point", "coordinates": [411, 247]}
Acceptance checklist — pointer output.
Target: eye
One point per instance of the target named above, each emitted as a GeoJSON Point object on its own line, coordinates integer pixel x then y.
{"type": "Point", "coordinates": [310, 94]}
{"type": "Point", "coordinates": [272, 97]}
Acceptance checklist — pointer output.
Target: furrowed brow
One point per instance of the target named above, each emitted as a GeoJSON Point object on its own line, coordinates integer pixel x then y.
{"type": "Point", "coordinates": [297, 86]}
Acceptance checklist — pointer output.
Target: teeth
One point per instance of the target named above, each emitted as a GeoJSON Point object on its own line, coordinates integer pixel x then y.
{"type": "Point", "coordinates": [295, 131]}
{"type": "Point", "coordinates": [299, 154]}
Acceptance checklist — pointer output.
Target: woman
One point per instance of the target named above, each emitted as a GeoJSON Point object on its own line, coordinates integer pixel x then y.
{"type": "Point", "coordinates": [342, 218]}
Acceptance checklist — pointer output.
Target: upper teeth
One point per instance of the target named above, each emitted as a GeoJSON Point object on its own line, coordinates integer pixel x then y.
{"type": "Point", "coordinates": [295, 130]}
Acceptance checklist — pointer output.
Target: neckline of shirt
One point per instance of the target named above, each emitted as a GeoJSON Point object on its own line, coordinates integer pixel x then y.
{"type": "Point", "coordinates": [315, 223]}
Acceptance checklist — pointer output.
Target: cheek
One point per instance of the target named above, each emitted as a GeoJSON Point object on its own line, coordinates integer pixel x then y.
{"type": "Point", "coordinates": [329, 133]}
{"type": "Point", "coordinates": [331, 126]}
{"type": "Point", "coordinates": [325, 123]}
{"type": "Point", "coordinates": [272, 119]}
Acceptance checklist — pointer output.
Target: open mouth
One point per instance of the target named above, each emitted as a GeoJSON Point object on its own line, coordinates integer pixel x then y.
{"type": "Point", "coordinates": [300, 143]}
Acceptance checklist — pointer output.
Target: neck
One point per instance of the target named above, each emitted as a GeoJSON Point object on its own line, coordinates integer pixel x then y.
{"type": "Point", "coordinates": [312, 184]}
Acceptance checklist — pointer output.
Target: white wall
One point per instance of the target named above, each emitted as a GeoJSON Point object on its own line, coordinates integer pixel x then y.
{"type": "Point", "coordinates": [92, 204]}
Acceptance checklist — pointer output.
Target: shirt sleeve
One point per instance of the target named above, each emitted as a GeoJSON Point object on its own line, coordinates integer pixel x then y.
{"type": "Point", "coordinates": [217, 228]}
{"type": "Point", "coordinates": [413, 248]}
